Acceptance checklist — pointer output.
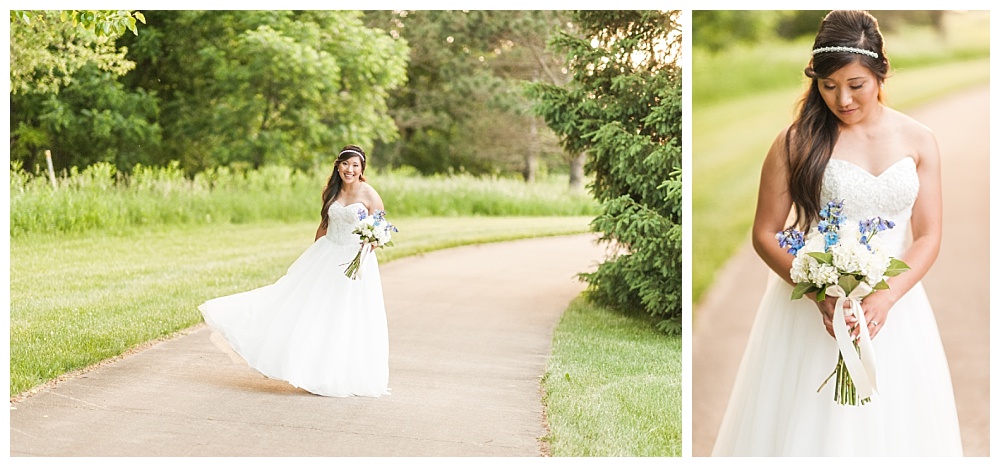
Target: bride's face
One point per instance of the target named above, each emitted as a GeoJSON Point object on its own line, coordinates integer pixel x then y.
{"type": "Point", "coordinates": [851, 93]}
{"type": "Point", "coordinates": [349, 170]}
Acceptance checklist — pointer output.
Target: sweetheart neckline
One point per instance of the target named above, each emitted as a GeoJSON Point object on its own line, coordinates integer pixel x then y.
{"type": "Point", "coordinates": [887, 169]}
{"type": "Point", "coordinates": [349, 205]}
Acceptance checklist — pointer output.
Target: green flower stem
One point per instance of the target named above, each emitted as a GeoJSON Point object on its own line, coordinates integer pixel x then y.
{"type": "Point", "coordinates": [353, 266]}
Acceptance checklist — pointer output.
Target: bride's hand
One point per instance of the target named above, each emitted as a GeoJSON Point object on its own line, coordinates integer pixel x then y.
{"type": "Point", "coordinates": [826, 309]}
{"type": "Point", "coordinates": [876, 308]}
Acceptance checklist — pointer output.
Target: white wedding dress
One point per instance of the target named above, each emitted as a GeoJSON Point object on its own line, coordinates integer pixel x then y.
{"type": "Point", "coordinates": [315, 327]}
{"type": "Point", "coordinates": [774, 409]}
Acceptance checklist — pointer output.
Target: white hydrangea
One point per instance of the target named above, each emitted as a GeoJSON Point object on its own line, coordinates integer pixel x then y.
{"type": "Point", "coordinates": [378, 235]}
{"type": "Point", "coordinates": [823, 274]}
{"type": "Point", "coordinates": [805, 268]}
{"type": "Point", "coordinates": [850, 256]}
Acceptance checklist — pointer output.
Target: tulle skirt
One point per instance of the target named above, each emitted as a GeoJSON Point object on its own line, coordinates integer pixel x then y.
{"type": "Point", "coordinates": [774, 409]}
{"type": "Point", "coordinates": [315, 327]}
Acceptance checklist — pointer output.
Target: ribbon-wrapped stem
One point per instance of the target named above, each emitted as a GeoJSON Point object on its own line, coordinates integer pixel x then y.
{"type": "Point", "coordinates": [855, 370]}
{"type": "Point", "coordinates": [354, 270]}
{"type": "Point", "coordinates": [844, 392]}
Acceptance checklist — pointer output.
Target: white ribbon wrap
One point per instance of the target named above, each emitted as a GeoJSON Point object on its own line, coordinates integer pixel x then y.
{"type": "Point", "coordinates": [861, 369]}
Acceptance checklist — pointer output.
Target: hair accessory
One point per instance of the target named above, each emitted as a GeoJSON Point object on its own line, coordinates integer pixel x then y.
{"type": "Point", "coordinates": [362, 156]}
{"type": "Point", "coordinates": [852, 50]}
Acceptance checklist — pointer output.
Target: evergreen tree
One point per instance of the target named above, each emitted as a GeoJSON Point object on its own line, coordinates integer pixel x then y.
{"type": "Point", "coordinates": [623, 108]}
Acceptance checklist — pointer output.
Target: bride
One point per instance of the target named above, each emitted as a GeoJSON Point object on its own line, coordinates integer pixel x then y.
{"type": "Point", "coordinates": [315, 327]}
{"type": "Point", "coordinates": [845, 144]}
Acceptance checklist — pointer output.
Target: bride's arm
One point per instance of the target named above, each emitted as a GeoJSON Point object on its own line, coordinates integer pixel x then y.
{"type": "Point", "coordinates": [374, 203]}
{"type": "Point", "coordinates": [925, 223]}
{"type": "Point", "coordinates": [774, 203]}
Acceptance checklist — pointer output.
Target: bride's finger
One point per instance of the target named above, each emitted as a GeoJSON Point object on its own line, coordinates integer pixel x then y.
{"type": "Point", "coordinates": [874, 326]}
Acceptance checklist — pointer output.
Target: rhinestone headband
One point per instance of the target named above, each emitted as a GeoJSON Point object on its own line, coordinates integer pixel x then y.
{"type": "Point", "coordinates": [362, 156]}
{"type": "Point", "coordinates": [845, 49]}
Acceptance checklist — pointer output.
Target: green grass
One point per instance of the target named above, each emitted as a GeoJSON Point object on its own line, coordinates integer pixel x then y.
{"type": "Point", "coordinates": [730, 141]}
{"type": "Point", "coordinates": [80, 299]}
{"type": "Point", "coordinates": [613, 386]}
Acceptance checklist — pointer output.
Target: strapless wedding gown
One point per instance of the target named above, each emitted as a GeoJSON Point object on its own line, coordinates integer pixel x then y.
{"type": "Point", "coordinates": [315, 327]}
{"type": "Point", "coordinates": [774, 409]}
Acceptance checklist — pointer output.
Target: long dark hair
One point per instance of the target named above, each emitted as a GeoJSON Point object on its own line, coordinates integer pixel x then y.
{"type": "Point", "coordinates": [816, 129]}
{"type": "Point", "coordinates": [334, 183]}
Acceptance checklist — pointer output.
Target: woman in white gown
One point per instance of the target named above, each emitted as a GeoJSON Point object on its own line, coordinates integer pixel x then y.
{"type": "Point", "coordinates": [315, 327]}
{"type": "Point", "coordinates": [845, 144]}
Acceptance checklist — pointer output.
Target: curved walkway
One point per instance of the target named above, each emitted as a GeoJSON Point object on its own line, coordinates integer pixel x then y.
{"type": "Point", "coordinates": [470, 331]}
{"type": "Point", "coordinates": [958, 285]}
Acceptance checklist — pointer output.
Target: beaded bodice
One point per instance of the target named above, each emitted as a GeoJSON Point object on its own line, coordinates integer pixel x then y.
{"type": "Point", "coordinates": [890, 195]}
{"type": "Point", "coordinates": [343, 220]}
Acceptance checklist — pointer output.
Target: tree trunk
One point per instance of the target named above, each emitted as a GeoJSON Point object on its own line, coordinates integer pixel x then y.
{"type": "Point", "coordinates": [576, 171]}
{"type": "Point", "coordinates": [531, 158]}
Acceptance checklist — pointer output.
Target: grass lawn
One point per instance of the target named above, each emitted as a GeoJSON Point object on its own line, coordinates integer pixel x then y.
{"type": "Point", "coordinates": [613, 386]}
{"type": "Point", "coordinates": [76, 300]}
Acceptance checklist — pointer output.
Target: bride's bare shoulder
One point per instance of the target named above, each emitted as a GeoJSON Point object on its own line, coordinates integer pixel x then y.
{"type": "Point", "coordinates": [374, 201]}
{"type": "Point", "coordinates": [781, 144]}
{"type": "Point", "coordinates": [919, 137]}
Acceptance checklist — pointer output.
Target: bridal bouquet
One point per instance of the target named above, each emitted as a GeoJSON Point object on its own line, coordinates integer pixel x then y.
{"type": "Point", "coordinates": [375, 231]}
{"type": "Point", "coordinates": [848, 265]}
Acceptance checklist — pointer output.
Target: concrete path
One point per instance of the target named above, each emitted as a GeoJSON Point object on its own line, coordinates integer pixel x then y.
{"type": "Point", "coordinates": [958, 285]}
{"type": "Point", "coordinates": [470, 331]}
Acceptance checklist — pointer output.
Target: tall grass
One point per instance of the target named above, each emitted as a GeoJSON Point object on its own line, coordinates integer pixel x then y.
{"type": "Point", "coordinates": [99, 197]}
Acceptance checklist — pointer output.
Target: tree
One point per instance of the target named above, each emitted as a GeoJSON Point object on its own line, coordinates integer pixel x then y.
{"type": "Point", "coordinates": [47, 47]}
{"type": "Point", "coordinates": [92, 119]}
{"type": "Point", "coordinates": [261, 87]}
{"type": "Point", "coordinates": [623, 108]}
{"type": "Point", "coordinates": [463, 108]}
{"type": "Point", "coordinates": [65, 96]}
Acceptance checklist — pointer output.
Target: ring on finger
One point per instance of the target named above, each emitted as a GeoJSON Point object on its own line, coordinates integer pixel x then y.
{"type": "Point", "coordinates": [875, 323]}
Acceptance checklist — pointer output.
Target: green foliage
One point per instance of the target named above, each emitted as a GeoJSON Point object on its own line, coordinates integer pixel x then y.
{"type": "Point", "coordinates": [218, 88]}
{"type": "Point", "coordinates": [717, 30]}
{"type": "Point", "coordinates": [250, 88]}
{"type": "Point", "coordinates": [102, 198]}
{"type": "Point", "coordinates": [92, 119]}
{"type": "Point", "coordinates": [896, 267]}
{"type": "Point", "coordinates": [612, 386]}
{"type": "Point", "coordinates": [65, 93]}
{"type": "Point", "coordinates": [265, 87]}
{"type": "Point", "coordinates": [463, 108]}
{"type": "Point", "coordinates": [623, 108]}
{"type": "Point", "coordinates": [48, 47]}
{"type": "Point", "coordinates": [99, 22]}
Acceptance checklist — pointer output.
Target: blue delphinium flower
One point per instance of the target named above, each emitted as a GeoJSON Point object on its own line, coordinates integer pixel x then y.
{"type": "Point", "coordinates": [870, 227]}
{"type": "Point", "coordinates": [362, 214]}
{"type": "Point", "coordinates": [830, 219]}
{"type": "Point", "coordinates": [791, 239]}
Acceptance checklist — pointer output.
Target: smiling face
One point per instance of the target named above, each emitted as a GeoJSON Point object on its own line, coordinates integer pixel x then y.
{"type": "Point", "coordinates": [851, 93]}
{"type": "Point", "coordinates": [350, 169]}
